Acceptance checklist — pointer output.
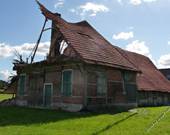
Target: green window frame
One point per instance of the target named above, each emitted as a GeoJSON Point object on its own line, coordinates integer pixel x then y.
{"type": "Point", "coordinates": [67, 82]}
{"type": "Point", "coordinates": [21, 85]}
{"type": "Point", "coordinates": [101, 84]}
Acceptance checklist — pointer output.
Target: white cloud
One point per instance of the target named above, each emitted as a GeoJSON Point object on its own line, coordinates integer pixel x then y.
{"type": "Point", "coordinates": [72, 10]}
{"type": "Point", "coordinates": [5, 74]}
{"type": "Point", "coordinates": [164, 61]}
{"type": "Point", "coordinates": [168, 42]}
{"type": "Point", "coordinates": [119, 1]}
{"type": "Point", "coordinates": [149, 0]}
{"type": "Point", "coordinates": [138, 2]}
{"type": "Point", "coordinates": [123, 35]}
{"type": "Point", "coordinates": [59, 3]}
{"type": "Point", "coordinates": [26, 48]}
{"type": "Point", "coordinates": [138, 47]}
{"type": "Point", "coordinates": [141, 48]}
{"type": "Point", "coordinates": [5, 50]}
{"type": "Point", "coordinates": [90, 9]}
{"type": "Point", "coordinates": [135, 2]}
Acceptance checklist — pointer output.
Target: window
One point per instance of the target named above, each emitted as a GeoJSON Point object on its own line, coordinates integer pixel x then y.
{"type": "Point", "coordinates": [129, 86]}
{"type": "Point", "coordinates": [21, 86]}
{"type": "Point", "coordinates": [91, 84]}
{"type": "Point", "coordinates": [129, 77]}
{"type": "Point", "coordinates": [101, 84]}
{"type": "Point", "coordinates": [67, 82]}
{"type": "Point", "coordinates": [33, 83]}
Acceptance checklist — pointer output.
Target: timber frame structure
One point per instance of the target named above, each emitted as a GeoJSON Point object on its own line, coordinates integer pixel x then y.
{"type": "Point", "coordinates": [83, 70]}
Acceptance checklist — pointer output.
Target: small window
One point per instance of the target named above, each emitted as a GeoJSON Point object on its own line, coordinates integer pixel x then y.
{"type": "Point", "coordinates": [101, 84]}
{"type": "Point", "coordinates": [129, 77]}
{"type": "Point", "coordinates": [67, 82]}
{"type": "Point", "coordinates": [21, 86]}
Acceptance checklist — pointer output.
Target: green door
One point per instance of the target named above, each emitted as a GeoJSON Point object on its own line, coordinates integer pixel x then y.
{"type": "Point", "coordinates": [21, 89]}
{"type": "Point", "coordinates": [131, 90]}
{"type": "Point", "coordinates": [47, 95]}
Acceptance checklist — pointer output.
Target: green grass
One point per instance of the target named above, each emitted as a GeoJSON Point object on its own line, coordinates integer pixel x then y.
{"type": "Point", "coordinates": [25, 121]}
{"type": "Point", "coordinates": [5, 96]}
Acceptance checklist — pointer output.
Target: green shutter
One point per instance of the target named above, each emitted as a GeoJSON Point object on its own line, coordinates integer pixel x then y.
{"type": "Point", "coordinates": [101, 84]}
{"type": "Point", "coordinates": [22, 80]}
{"type": "Point", "coordinates": [66, 83]}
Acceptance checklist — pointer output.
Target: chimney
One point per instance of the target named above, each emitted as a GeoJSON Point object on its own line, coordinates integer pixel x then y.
{"type": "Point", "coordinates": [57, 14]}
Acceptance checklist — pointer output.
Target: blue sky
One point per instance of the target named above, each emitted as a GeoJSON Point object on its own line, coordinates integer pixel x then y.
{"type": "Point", "coordinates": [141, 26]}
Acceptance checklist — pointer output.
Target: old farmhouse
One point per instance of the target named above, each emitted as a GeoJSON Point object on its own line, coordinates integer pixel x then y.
{"type": "Point", "coordinates": [83, 70]}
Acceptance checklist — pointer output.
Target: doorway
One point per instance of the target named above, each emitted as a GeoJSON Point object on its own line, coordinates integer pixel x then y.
{"type": "Point", "coordinates": [47, 94]}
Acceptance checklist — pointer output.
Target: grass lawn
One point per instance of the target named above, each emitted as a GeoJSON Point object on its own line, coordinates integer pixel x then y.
{"type": "Point", "coordinates": [5, 96]}
{"type": "Point", "coordinates": [24, 121]}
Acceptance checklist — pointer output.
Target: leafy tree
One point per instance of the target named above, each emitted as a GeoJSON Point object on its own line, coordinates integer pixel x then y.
{"type": "Point", "coordinates": [2, 84]}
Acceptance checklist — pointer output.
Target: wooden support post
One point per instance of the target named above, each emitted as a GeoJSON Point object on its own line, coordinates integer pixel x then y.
{"type": "Point", "coordinates": [38, 41]}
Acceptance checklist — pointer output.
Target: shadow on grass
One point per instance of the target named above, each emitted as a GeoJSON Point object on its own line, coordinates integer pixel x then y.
{"type": "Point", "coordinates": [113, 124]}
{"type": "Point", "coordinates": [27, 116]}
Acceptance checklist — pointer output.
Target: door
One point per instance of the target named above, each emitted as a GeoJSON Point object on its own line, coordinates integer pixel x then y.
{"type": "Point", "coordinates": [131, 92]}
{"type": "Point", "coordinates": [47, 95]}
{"type": "Point", "coordinates": [21, 88]}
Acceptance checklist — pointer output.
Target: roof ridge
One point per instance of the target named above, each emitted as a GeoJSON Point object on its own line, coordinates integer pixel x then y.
{"type": "Point", "coordinates": [126, 57]}
{"type": "Point", "coordinates": [51, 16]}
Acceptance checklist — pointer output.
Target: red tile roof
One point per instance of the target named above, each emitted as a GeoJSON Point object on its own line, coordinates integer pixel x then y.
{"type": "Point", "coordinates": [94, 48]}
{"type": "Point", "coordinates": [88, 43]}
{"type": "Point", "coordinates": [151, 79]}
